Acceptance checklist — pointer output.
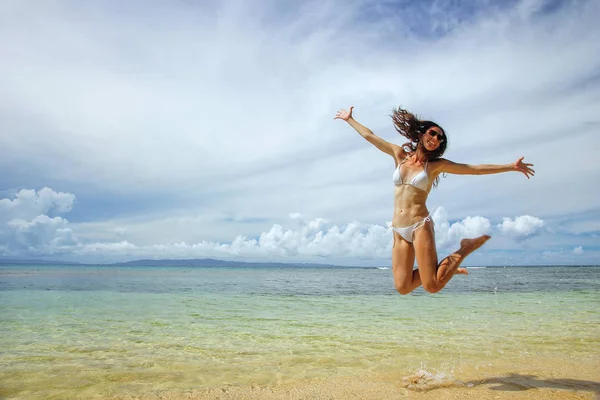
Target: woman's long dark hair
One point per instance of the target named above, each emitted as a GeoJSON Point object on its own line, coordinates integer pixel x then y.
{"type": "Point", "coordinates": [411, 127]}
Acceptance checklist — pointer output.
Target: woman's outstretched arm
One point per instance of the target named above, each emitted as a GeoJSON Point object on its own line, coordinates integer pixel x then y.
{"type": "Point", "coordinates": [483, 169]}
{"type": "Point", "coordinates": [383, 145]}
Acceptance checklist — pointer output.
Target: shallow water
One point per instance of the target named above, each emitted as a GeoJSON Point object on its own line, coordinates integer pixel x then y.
{"type": "Point", "coordinates": [86, 331]}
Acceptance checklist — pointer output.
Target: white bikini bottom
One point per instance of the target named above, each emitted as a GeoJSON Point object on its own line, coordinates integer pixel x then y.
{"type": "Point", "coordinates": [408, 231]}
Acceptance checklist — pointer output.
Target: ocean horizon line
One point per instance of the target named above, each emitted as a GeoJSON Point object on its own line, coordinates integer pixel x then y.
{"type": "Point", "coordinates": [218, 263]}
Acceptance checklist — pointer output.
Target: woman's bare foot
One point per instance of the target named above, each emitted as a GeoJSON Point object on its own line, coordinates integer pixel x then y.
{"type": "Point", "coordinates": [461, 271]}
{"type": "Point", "coordinates": [467, 246]}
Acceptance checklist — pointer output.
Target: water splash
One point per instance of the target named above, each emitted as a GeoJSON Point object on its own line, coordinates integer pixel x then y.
{"type": "Point", "coordinates": [423, 380]}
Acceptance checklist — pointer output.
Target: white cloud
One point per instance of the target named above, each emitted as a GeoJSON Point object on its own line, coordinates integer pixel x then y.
{"type": "Point", "coordinates": [41, 230]}
{"type": "Point", "coordinates": [522, 227]}
{"type": "Point", "coordinates": [29, 203]}
{"type": "Point", "coordinates": [302, 240]}
{"type": "Point", "coordinates": [26, 227]}
{"type": "Point", "coordinates": [449, 235]}
{"type": "Point", "coordinates": [308, 243]}
{"type": "Point", "coordinates": [578, 250]}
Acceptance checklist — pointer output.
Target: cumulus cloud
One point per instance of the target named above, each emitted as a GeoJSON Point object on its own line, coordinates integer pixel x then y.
{"type": "Point", "coordinates": [25, 225]}
{"type": "Point", "coordinates": [29, 203]}
{"type": "Point", "coordinates": [297, 240]}
{"type": "Point", "coordinates": [578, 250]}
{"type": "Point", "coordinates": [314, 240]}
{"type": "Point", "coordinates": [41, 230]}
{"type": "Point", "coordinates": [450, 234]}
{"type": "Point", "coordinates": [521, 228]}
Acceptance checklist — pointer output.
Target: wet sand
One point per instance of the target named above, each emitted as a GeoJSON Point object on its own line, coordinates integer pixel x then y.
{"type": "Point", "coordinates": [514, 386]}
{"type": "Point", "coordinates": [560, 380]}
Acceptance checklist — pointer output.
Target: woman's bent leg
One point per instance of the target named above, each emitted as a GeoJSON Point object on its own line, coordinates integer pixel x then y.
{"type": "Point", "coordinates": [403, 260]}
{"type": "Point", "coordinates": [435, 276]}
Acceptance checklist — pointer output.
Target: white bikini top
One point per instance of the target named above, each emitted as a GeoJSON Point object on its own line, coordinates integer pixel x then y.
{"type": "Point", "coordinates": [420, 180]}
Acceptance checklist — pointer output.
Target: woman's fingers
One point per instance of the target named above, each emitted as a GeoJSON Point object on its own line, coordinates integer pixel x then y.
{"type": "Point", "coordinates": [527, 171]}
{"type": "Point", "coordinates": [530, 173]}
{"type": "Point", "coordinates": [343, 114]}
{"type": "Point", "coordinates": [524, 167]}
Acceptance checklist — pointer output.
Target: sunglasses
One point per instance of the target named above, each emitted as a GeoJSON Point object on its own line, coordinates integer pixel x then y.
{"type": "Point", "coordinates": [440, 136]}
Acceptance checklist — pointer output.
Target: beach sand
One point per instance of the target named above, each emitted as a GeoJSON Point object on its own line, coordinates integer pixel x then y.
{"type": "Point", "coordinates": [497, 388]}
{"type": "Point", "coordinates": [555, 380]}
{"type": "Point", "coordinates": [528, 378]}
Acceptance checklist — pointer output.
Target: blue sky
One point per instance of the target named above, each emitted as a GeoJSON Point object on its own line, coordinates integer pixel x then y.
{"type": "Point", "coordinates": [205, 129]}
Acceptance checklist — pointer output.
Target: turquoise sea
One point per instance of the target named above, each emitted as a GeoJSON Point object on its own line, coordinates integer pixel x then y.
{"type": "Point", "coordinates": [171, 332]}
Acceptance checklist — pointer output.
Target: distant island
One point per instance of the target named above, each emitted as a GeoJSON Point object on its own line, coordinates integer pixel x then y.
{"type": "Point", "coordinates": [201, 262]}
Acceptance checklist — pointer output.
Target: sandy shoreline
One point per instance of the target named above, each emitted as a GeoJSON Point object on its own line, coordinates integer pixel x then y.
{"type": "Point", "coordinates": [516, 387]}
{"type": "Point", "coordinates": [566, 376]}
{"type": "Point", "coordinates": [513, 386]}
{"type": "Point", "coordinates": [561, 379]}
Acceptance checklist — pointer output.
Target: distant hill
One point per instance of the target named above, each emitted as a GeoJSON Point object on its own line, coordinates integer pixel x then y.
{"type": "Point", "coordinates": [203, 262]}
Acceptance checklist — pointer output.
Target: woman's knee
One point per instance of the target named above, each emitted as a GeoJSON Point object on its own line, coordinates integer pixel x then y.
{"type": "Point", "coordinates": [403, 287]}
{"type": "Point", "coordinates": [431, 287]}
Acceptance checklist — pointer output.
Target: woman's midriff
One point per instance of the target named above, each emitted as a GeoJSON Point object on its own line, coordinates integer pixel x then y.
{"type": "Point", "coordinates": [409, 205]}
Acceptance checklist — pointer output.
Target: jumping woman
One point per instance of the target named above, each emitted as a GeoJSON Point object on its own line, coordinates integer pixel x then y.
{"type": "Point", "coordinates": [418, 166]}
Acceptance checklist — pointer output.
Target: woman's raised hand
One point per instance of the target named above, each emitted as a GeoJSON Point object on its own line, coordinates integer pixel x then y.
{"type": "Point", "coordinates": [525, 168]}
{"type": "Point", "coordinates": [343, 114]}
